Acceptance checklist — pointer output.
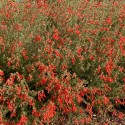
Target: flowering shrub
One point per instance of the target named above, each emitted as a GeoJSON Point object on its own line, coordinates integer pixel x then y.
{"type": "Point", "coordinates": [61, 61]}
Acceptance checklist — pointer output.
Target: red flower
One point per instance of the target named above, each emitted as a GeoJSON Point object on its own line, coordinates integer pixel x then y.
{"type": "Point", "coordinates": [18, 89]}
{"type": "Point", "coordinates": [41, 95]}
{"type": "Point", "coordinates": [74, 108]}
{"type": "Point", "coordinates": [19, 76]}
{"type": "Point", "coordinates": [56, 36]}
{"type": "Point", "coordinates": [18, 27]}
{"type": "Point", "coordinates": [120, 115]}
{"type": "Point", "coordinates": [122, 45]}
{"type": "Point", "coordinates": [109, 67]}
{"type": "Point", "coordinates": [11, 106]}
{"type": "Point", "coordinates": [37, 38]}
{"type": "Point", "coordinates": [109, 79]}
{"type": "Point", "coordinates": [103, 77]}
{"type": "Point", "coordinates": [73, 60]}
{"type": "Point", "coordinates": [49, 41]}
{"type": "Point", "coordinates": [10, 80]}
{"type": "Point", "coordinates": [23, 120]}
{"type": "Point", "coordinates": [1, 73]}
{"type": "Point", "coordinates": [3, 27]}
{"type": "Point", "coordinates": [79, 98]}
{"type": "Point", "coordinates": [78, 32]}
{"type": "Point", "coordinates": [1, 40]}
{"type": "Point", "coordinates": [50, 111]}
{"type": "Point", "coordinates": [79, 50]}
{"type": "Point", "coordinates": [92, 57]}
{"type": "Point", "coordinates": [13, 114]}
{"type": "Point", "coordinates": [1, 120]}
{"type": "Point", "coordinates": [105, 100]}
{"type": "Point", "coordinates": [31, 102]}
{"type": "Point", "coordinates": [43, 81]}
{"type": "Point", "coordinates": [24, 52]}
{"type": "Point", "coordinates": [109, 20]}
{"type": "Point", "coordinates": [35, 113]}
{"type": "Point", "coordinates": [99, 69]}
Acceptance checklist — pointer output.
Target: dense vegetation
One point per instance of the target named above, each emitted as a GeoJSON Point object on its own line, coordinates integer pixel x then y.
{"type": "Point", "coordinates": [61, 61]}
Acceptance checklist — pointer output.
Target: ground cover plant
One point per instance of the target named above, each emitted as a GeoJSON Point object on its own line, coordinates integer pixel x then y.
{"type": "Point", "coordinates": [61, 61]}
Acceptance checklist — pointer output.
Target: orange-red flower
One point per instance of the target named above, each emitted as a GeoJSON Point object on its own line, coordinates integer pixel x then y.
{"type": "Point", "coordinates": [37, 38]}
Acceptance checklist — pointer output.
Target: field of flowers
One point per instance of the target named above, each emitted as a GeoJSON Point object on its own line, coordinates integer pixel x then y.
{"type": "Point", "coordinates": [62, 62]}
